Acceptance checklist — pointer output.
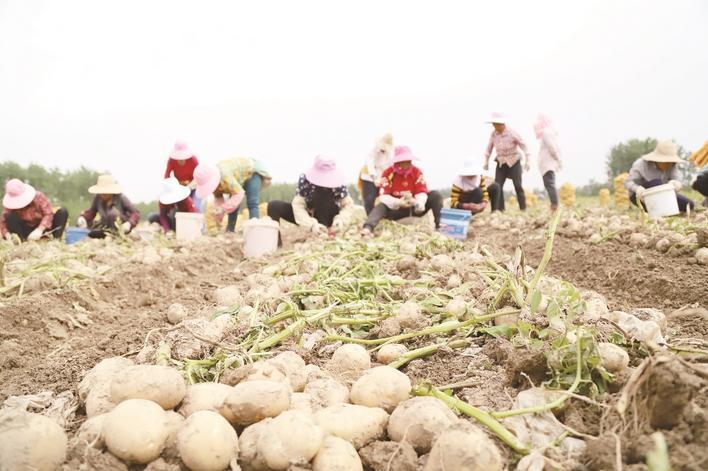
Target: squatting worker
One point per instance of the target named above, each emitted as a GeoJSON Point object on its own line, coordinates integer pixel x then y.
{"type": "Point", "coordinates": [404, 193]}
{"type": "Point", "coordinates": [509, 146]}
{"type": "Point", "coordinates": [701, 185]}
{"type": "Point", "coordinates": [28, 213]}
{"type": "Point", "coordinates": [181, 163]}
{"type": "Point", "coordinates": [174, 198]}
{"type": "Point", "coordinates": [657, 168]}
{"type": "Point", "coordinates": [322, 203]}
{"type": "Point", "coordinates": [370, 175]}
{"type": "Point", "coordinates": [113, 208]}
{"type": "Point", "coordinates": [472, 191]}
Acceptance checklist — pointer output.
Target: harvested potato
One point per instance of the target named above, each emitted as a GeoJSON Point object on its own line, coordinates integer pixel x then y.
{"type": "Point", "coordinates": [382, 386]}
{"type": "Point", "coordinates": [464, 446]}
{"type": "Point", "coordinates": [204, 396]}
{"type": "Point", "coordinates": [136, 430]}
{"type": "Point", "coordinates": [30, 442]}
{"type": "Point", "coordinates": [613, 357]}
{"type": "Point", "coordinates": [207, 442]}
{"type": "Point", "coordinates": [457, 307]}
{"type": "Point", "coordinates": [262, 370]}
{"type": "Point", "coordinates": [174, 424]}
{"type": "Point", "coordinates": [248, 458]}
{"type": "Point", "coordinates": [252, 401]}
{"type": "Point", "coordinates": [291, 439]}
{"type": "Point", "coordinates": [228, 296]}
{"type": "Point", "coordinates": [99, 400]}
{"type": "Point", "coordinates": [359, 425]}
{"type": "Point", "coordinates": [337, 454]}
{"type": "Point", "coordinates": [410, 316]}
{"type": "Point", "coordinates": [639, 240]}
{"type": "Point", "coordinates": [302, 402]}
{"type": "Point", "coordinates": [327, 392]}
{"type": "Point", "coordinates": [90, 431]}
{"type": "Point", "coordinates": [419, 421]}
{"type": "Point", "coordinates": [103, 372]}
{"type": "Point", "coordinates": [176, 313]}
{"type": "Point", "coordinates": [160, 384]}
{"type": "Point", "coordinates": [442, 263]}
{"type": "Point", "coordinates": [349, 358]}
{"type": "Point", "coordinates": [293, 366]}
{"type": "Point", "coordinates": [454, 281]}
{"type": "Point", "coordinates": [391, 352]}
{"type": "Point", "coordinates": [702, 255]}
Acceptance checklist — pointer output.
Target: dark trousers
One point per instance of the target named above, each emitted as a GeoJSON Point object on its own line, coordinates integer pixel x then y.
{"type": "Point", "coordinates": [15, 225]}
{"type": "Point", "coordinates": [514, 173]}
{"type": "Point", "coordinates": [101, 227]}
{"type": "Point", "coordinates": [252, 186]}
{"type": "Point", "coordinates": [323, 209]}
{"type": "Point", "coordinates": [476, 195]}
{"type": "Point", "coordinates": [549, 181]}
{"type": "Point", "coordinates": [381, 211]}
{"type": "Point", "coordinates": [701, 183]}
{"type": "Point", "coordinates": [369, 192]}
{"type": "Point", "coordinates": [155, 218]}
{"type": "Point", "coordinates": [682, 200]}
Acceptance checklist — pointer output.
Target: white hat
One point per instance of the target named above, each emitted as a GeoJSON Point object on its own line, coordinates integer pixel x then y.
{"type": "Point", "coordinates": [105, 185]}
{"type": "Point", "coordinates": [172, 192]}
{"type": "Point", "coordinates": [471, 168]}
{"type": "Point", "coordinates": [497, 117]}
{"type": "Point", "coordinates": [666, 151]}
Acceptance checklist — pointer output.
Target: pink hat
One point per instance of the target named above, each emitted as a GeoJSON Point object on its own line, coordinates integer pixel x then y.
{"type": "Point", "coordinates": [181, 151]}
{"type": "Point", "coordinates": [208, 178]}
{"type": "Point", "coordinates": [324, 173]}
{"type": "Point", "coordinates": [403, 154]}
{"type": "Point", "coordinates": [18, 194]}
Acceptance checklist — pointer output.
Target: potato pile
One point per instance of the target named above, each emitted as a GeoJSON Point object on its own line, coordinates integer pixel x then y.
{"type": "Point", "coordinates": [567, 195]}
{"type": "Point", "coordinates": [278, 413]}
{"type": "Point", "coordinates": [604, 196]}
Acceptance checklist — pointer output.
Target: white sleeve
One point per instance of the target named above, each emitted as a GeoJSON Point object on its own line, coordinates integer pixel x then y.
{"type": "Point", "coordinates": [390, 201]}
{"type": "Point", "coordinates": [421, 199]}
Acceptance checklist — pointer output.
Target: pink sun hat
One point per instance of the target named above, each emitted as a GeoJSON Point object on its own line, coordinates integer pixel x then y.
{"type": "Point", "coordinates": [208, 178]}
{"type": "Point", "coordinates": [324, 173]}
{"type": "Point", "coordinates": [18, 194]}
{"type": "Point", "coordinates": [403, 154]}
{"type": "Point", "coordinates": [181, 151]}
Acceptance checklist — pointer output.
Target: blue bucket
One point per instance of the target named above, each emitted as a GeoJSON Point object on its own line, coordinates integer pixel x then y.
{"type": "Point", "coordinates": [73, 235]}
{"type": "Point", "coordinates": [454, 223]}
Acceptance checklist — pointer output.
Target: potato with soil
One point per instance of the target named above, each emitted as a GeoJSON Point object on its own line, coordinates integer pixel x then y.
{"type": "Point", "coordinates": [207, 442]}
{"type": "Point", "coordinates": [336, 454]}
{"type": "Point", "coordinates": [613, 357]}
{"type": "Point", "coordinates": [248, 457]}
{"type": "Point", "coordinates": [30, 442]}
{"type": "Point", "coordinates": [410, 316]}
{"type": "Point", "coordinates": [291, 439]}
{"type": "Point", "coordinates": [103, 372]}
{"type": "Point", "coordinates": [293, 367]}
{"type": "Point", "coordinates": [382, 386]}
{"type": "Point", "coordinates": [228, 296]}
{"type": "Point", "coordinates": [160, 384]}
{"type": "Point", "coordinates": [391, 352]}
{"type": "Point", "coordinates": [349, 359]}
{"type": "Point", "coordinates": [136, 431]}
{"type": "Point", "coordinates": [419, 421]}
{"type": "Point", "coordinates": [359, 425]}
{"type": "Point", "coordinates": [90, 431]}
{"type": "Point", "coordinates": [176, 313]}
{"type": "Point", "coordinates": [252, 401]}
{"type": "Point", "coordinates": [204, 396]}
{"type": "Point", "coordinates": [391, 456]}
{"type": "Point", "coordinates": [464, 446]}
{"type": "Point", "coordinates": [326, 392]}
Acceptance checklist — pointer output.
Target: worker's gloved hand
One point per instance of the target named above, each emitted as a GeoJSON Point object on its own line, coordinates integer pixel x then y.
{"type": "Point", "coordinates": [467, 206]}
{"type": "Point", "coordinates": [126, 226]}
{"type": "Point", "coordinates": [81, 222]}
{"type": "Point", "coordinates": [36, 234]}
{"type": "Point", "coordinates": [676, 184]}
{"type": "Point", "coordinates": [479, 207]}
{"type": "Point", "coordinates": [192, 185]}
{"type": "Point", "coordinates": [337, 225]}
{"type": "Point", "coordinates": [486, 165]}
{"type": "Point", "coordinates": [640, 192]}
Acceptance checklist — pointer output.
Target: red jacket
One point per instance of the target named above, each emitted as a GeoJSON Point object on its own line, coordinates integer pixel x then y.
{"type": "Point", "coordinates": [183, 173]}
{"type": "Point", "coordinates": [395, 184]}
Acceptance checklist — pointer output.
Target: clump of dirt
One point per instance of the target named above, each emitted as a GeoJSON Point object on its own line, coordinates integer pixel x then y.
{"type": "Point", "coordinates": [83, 457]}
{"type": "Point", "coordinates": [689, 322]}
{"type": "Point", "coordinates": [389, 456]}
{"type": "Point", "coordinates": [668, 389]}
{"type": "Point", "coordinates": [521, 364]}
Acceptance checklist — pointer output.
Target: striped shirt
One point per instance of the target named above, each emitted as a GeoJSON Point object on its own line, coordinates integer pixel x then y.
{"type": "Point", "coordinates": [462, 186]}
{"type": "Point", "coordinates": [507, 144]}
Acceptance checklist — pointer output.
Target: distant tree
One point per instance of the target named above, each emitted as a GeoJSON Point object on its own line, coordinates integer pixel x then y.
{"type": "Point", "coordinates": [623, 155]}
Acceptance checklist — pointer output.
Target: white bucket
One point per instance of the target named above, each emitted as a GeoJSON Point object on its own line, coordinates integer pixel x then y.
{"type": "Point", "coordinates": [188, 225]}
{"type": "Point", "coordinates": [260, 237]}
{"type": "Point", "coordinates": [661, 201]}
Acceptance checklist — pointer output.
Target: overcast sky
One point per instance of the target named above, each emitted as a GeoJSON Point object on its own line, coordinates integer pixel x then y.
{"type": "Point", "coordinates": [112, 84]}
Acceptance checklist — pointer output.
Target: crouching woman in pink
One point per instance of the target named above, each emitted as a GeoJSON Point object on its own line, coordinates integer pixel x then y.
{"type": "Point", "coordinates": [29, 215]}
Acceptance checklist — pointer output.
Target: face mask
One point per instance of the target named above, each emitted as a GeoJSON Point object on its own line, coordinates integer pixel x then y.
{"type": "Point", "coordinates": [401, 170]}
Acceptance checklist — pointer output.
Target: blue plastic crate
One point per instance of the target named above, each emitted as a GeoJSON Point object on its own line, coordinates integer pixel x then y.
{"type": "Point", "coordinates": [454, 223]}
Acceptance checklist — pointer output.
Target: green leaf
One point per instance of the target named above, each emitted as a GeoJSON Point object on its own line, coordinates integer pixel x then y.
{"type": "Point", "coordinates": [496, 331]}
{"type": "Point", "coordinates": [536, 298]}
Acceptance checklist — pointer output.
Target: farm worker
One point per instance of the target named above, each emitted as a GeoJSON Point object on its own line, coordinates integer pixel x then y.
{"type": "Point", "coordinates": [508, 145]}
{"type": "Point", "coordinates": [701, 185]}
{"type": "Point", "coordinates": [549, 156]}
{"type": "Point", "coordinates": [29, 214]}
{"type": "Point", "coordinates": [181, 164]}
{"type": "Point", "coordinates": [322, 201]}
{"type": "Point", "coordinates": [370, 176]}
{"type": "Point", "coordinates": [174, 198]}
{"type": "Point", "coordinates": [403, 193]}
{"type": "Point", "coordinates": [113, 208]}
{"type": "Point", "coordinates": [656, 168]}
{"type": "Point", "coordinates": [472, 192]}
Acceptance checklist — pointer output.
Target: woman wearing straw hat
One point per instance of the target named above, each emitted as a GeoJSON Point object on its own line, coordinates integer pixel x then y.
{"type": "Point", "coordinates": [173, 198]}
{"type": "Point", "coordinates": [239, 178]}
{"type": "Point", "coordinates": [112, 207]}
{"type": "Point", "coordinates": [28, 214]}
{"type": "Point", "coordinates": [549, 157]}
{"type": "Point", "coordinates": [322, 201]}
{"type": "Point", "coordinates": [181, 164]}
{"type": "Point", "coordinates": [472, 192]}
{"type": "Point", "coordinates": [657, 168]}
{"type": "Point", "coordinates": [404, 193]}
{"type": "Point", "coordinates": [509, 146]}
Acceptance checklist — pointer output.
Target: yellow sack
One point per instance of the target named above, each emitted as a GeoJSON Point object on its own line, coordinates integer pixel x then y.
{"type": "Point", "coordinates": [621, 193]}
{"type": "Point", "coordinates": [604, 197]}
{"type": "Point", "coordinates": [567, 194]}
{"type": "Point", "coordinates": [700, 157]}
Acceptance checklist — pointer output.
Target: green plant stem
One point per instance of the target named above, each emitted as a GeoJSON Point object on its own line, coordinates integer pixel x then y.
{"type": "Point", "coordinates": [548, 251]}
{"type": "Point", "coordinates": [479, 415]}
{"type": "Point", "coordinates": [425, 351]}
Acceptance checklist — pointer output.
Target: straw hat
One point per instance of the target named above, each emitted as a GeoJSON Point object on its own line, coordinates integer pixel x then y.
{"type": "Point", "coordinates": [18, 194]}
{"type": "Point", "coordinates": [105, 185]}
{"type": "Point", "coordinates": [172, 192]}
{"type": "Point", "coordinates": [208, 177]}
{"type": "Point", "coordinates": [666, 151]}
{"type": "Point", "coordinates": [324, 173]}
{"type": "Point", "coordinates": [497, 118]}
{"type": "Point", "coordinates": [471, 168]}
{"type": "Point", "coordinates": [403, 154]}
{"type": "Point", "coordinates": [180, 151]}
